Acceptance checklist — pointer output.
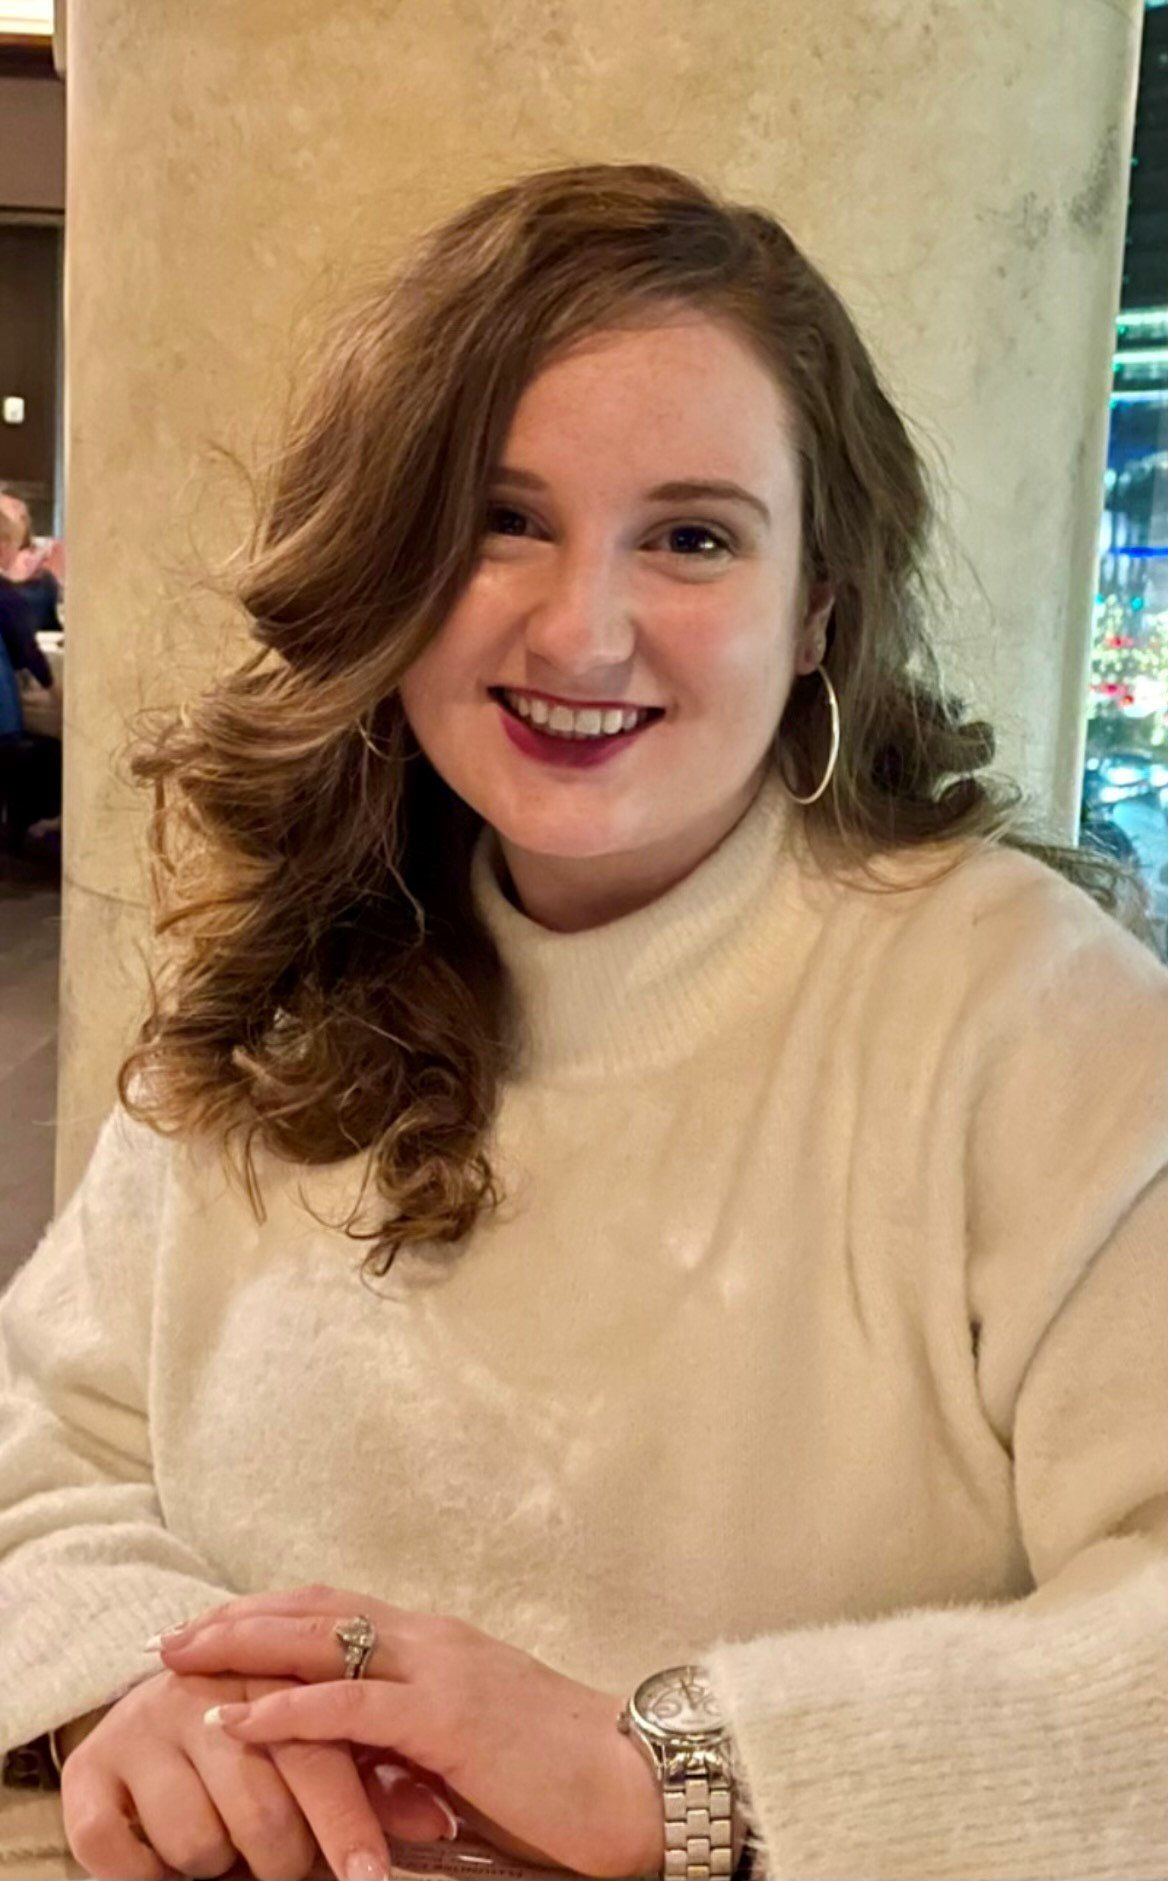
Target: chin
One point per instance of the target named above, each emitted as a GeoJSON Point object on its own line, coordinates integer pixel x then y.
{"type": "Point", "coordinates": [567, 839]}
{"type": "Point", "coordinates": [565, 848]}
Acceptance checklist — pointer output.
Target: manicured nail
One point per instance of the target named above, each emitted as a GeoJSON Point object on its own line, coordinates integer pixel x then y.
{"type": "Point", "coordinates": [451, 1830]}
{"type": "Point", "coordinates": [169, 1636]}
{"type": "Point", "coordinates": [225, 1714]}
{"type": "Point", "coordinates": [389, 1775]}
{"type": "Point", "coordinates": [365, 1866]}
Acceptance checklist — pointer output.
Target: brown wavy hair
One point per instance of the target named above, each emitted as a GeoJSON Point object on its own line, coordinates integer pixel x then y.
{"type": "Point", "coordinates": [328, 986]}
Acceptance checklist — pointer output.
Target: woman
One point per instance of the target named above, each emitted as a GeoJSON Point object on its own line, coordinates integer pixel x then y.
{"type": "Point", "coordinates": [18, 620]}
{"type": "Point", "coordinates": [30, 712]}
{"type": "Point", "coordinates": [757, 1156]}
{"type": "Point", "coordinates": [38, 568]}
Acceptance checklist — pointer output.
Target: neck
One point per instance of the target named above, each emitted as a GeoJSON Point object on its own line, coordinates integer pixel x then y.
{"type": "Point", "coordinates": [639, 991]}
{"type": "Point", "coordinates": [570, 894]}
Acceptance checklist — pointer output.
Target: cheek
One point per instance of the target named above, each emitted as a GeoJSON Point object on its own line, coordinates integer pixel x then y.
{"type": "Point", "coordinates": [412, 690]}
{"type": "Point", "coordinates": [426, 683]}
{"type": "Point", "coordinates": [746, 668]}
{"type": "Point", "coordinates": [452, 669]}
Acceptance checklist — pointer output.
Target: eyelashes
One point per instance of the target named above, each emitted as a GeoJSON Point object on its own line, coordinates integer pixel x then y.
{"type": "Point", "coordinates": [724, 544]}
{"type": "Point", "coordinates": [721, 542]}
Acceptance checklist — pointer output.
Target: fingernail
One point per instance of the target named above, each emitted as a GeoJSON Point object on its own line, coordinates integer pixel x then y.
{"type": "Point", "coordinates": [451, 1829]}
{"type": "Point", "coordinates": [225, 1714]}
{"type": "Point", "coordinates": [365, 1866]}
{"type": "Point", "coordinates": [169, 1636]}
{"type": "Point", "coordinates": [389, 1775]}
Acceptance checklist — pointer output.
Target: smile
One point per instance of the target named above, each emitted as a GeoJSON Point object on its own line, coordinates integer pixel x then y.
{"type": "Point", "coordinates": [574, 722]}
{"type": "Point", "coordinates": [574, 739]}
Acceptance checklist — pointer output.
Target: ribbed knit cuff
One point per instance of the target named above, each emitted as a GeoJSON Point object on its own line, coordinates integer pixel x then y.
{"type": "Point", "coordinates": [995, 1743]}
{"type": "Point", "coordinates": [72, 1638]}
{"type": "Point", "coordinates": [751, 1862]}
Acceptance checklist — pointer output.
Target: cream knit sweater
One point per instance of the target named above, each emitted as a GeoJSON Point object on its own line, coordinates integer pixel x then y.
{"type": "Point", "coordinates": [821, 1337]}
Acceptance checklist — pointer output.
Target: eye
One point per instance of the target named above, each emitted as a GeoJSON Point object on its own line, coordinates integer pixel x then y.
{"type": "Point", "coordinates": [504, 520]}
{"type": "Point", "coordinates": [723, 545]}
{"type": "Point", "coordinates": [496, 511]}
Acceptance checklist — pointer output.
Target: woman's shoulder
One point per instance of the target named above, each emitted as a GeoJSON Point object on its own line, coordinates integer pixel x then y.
{"type": "Point", "coordinates": [226, 1174]}
{"type": "Point", "coordinates": [977, 912]}
{"type": "Point", "coordinates": [133, 1161]}
{"type": "Point", "coordinates": [984, 881]}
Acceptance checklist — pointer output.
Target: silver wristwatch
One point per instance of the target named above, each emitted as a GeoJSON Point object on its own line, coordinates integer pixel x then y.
{"type": "Point", "coordinates": [674, 1719]}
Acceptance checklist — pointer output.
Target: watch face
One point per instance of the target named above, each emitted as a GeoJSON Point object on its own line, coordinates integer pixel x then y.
{"type": "Point", "coordinates": [678, 1703]}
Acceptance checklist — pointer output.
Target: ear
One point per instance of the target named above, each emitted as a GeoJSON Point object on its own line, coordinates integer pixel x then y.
{"type": "Point", "coordinates": [813, 633]}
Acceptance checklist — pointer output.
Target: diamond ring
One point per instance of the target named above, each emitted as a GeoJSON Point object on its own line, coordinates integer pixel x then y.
{"type": "Point", "coordinates": [359, 1638]}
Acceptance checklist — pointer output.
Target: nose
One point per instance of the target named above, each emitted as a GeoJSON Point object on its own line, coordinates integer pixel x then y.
{"type": "Point", "coordinates": [581, 623]}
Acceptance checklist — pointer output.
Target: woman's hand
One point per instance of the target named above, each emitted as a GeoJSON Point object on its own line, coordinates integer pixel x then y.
{"type": "Point", "coordinates": [534, 1760]}
{"type": "Point", "coordinates": [200, 1799]}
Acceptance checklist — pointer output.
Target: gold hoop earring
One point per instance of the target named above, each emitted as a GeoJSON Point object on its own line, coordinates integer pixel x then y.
{"type": "Point", "coordinates": [833, 704]}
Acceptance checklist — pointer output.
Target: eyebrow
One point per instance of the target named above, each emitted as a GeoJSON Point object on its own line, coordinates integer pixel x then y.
{"type": "Point", "coordinates": [679, 491]}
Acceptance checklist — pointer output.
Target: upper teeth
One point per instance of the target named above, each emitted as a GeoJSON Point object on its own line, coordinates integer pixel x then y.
{"type": "Point", "coordinates": [588, 723]}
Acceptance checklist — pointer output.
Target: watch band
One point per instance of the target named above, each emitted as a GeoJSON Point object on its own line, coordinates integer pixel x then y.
{"type": "Point", "coordinates": [698, 1829]}
{"type": "Point", "coordinates": [677, 1724]}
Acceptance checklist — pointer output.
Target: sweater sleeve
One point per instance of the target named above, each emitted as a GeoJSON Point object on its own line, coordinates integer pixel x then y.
{"type": "Point", "coordinates": [1029, 1738]}
{"type": "Point", "coordinates": [18, 632]}
{"type": "Point", "coordinates": [88, 1569]}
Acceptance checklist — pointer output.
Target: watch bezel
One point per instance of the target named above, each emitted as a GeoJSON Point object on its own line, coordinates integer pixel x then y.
{"type": "Point", "coordinates": [669, 1733]}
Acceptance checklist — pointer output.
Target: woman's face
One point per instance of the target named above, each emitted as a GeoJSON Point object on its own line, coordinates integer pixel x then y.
{"type": "Point", "coordinates": [15, 530]}
{"type": "Point", "coordinates": [9, 542]}
{"type": "Point", "coordinates": [596, 589]}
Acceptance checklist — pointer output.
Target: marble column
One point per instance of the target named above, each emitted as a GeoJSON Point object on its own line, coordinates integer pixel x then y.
{"type": "Point", "coordinates": [959, 171]}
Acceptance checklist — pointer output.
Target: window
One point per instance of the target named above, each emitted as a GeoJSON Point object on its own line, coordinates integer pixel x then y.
{"type": "Point", "coordinates": [1125, 780]}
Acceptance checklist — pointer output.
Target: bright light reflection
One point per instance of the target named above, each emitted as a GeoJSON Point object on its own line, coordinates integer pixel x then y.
{"type": "Point", "coordinates": [28, 17]}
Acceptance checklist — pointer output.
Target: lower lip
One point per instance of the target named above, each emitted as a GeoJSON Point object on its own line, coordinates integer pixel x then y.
{"type": "Point", "coordinates": [573, 753]}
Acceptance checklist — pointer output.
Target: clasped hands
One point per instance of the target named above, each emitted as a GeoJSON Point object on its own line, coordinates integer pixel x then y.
{"type": "Point", "coordinates": [528, 1759]}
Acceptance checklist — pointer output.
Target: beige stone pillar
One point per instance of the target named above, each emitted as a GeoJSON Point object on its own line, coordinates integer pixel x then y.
{"type": "Point", "coordinates": [958, 170]}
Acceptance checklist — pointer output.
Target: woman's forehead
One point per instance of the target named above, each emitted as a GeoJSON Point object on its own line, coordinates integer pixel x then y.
{"type": "Point", "coordinates": [690, 393]}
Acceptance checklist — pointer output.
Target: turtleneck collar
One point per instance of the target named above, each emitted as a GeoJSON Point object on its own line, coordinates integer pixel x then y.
{"type": "Point", "coordinates": [641, 991]}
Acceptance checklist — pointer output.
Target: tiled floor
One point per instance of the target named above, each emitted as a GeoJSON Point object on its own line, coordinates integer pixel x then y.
{"type": "Point", "coordinates": [30, 921]}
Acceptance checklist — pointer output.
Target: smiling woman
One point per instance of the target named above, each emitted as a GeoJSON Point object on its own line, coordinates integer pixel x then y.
{"type": "Point", "coordinates": [587, 903]}
{"type": "Point", "coordinates": [711, 508]}
{"type": "Point", "coordinates": [612, 598]}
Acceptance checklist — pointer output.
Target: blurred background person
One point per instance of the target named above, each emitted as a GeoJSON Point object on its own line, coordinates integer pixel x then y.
{"type": "Point", "coordinates": [31, 714]}
{"type": "Point", "coordinates": [38, 567]}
